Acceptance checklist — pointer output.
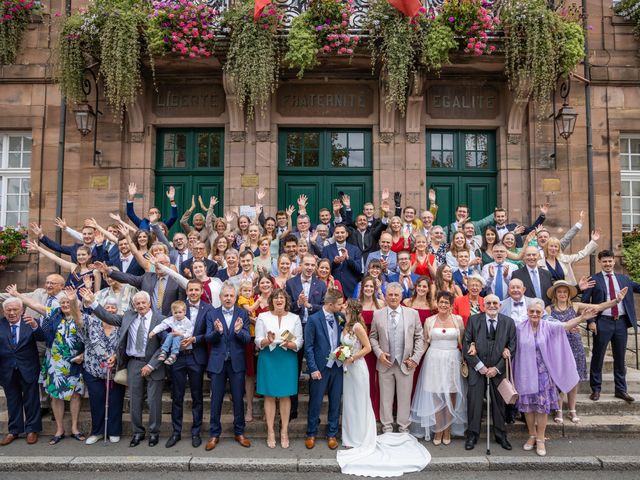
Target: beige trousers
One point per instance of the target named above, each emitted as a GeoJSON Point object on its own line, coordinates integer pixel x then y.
{"type": "Point", "coordinates": [395, 383]}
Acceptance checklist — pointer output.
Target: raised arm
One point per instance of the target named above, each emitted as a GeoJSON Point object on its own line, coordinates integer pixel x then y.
{"type": "Point", "coordinates": [61, 223]}
{"type": "Point", "coordinates": [184, 220]}
{"type": "Point", "coordinates": [587, 250]}
{"type": "Point", "coordinates": [64, 264]}
{"type": "Point", "coordinates": [12, 290]}
{"type": "Point", "coordinates": [133, 189]}
{"type": "Point", "coordinates": [107, 234]}
{"type": "Point", "coordinates": [173, 216]}
{"type": "Point", "coordinates": [180, 280]}
{"type": "Point", "coordinates": [138, 255]}
{"type": "Point", "coordinates": [573, 231]}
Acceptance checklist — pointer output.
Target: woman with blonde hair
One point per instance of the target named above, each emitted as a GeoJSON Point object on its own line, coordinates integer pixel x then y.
{"type": "Point", "coordinates": [459, 243]}
{"type": "Point", "coordinates": [399, 240]}
{"type": "Point", "coordinates": [559, 264]}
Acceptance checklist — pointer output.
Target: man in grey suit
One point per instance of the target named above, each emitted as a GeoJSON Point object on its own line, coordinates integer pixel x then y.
{"type": "Point", "coordinates": [162, 289]}
{"type": "Point", "coordinates": [490, 333]}
{"type": "Point", "coordinates": [139, 355]}
{"type": "Point", "coordinates": [535, 279]}
{"type": "Point", "coordinates": [397, 341]}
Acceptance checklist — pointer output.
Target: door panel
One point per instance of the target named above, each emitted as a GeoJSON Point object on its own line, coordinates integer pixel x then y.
{"type": "Point", "coordinates": [480, 195]}
{"type": "Point", "coordinates": [446, 195]}
{"type": "Point", "coordinates": [358, 188]}
{"type": "Point", "coordinates": [291, 187]}
{"type": "Point", "coordinates": [208, 187]}
{"type": "Point", "coordinates": [183, 191]}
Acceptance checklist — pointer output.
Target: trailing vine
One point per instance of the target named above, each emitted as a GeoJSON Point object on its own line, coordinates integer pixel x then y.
{"type": "Point", "coordinates": [630, 9]}
{"type": "Point", "coordinates": [436, 44]}
{"type": "Point", "coordinates": [321, 29]}
{"type": "Point", "coordinates": [14, 18]}
{"type": "Point", "coordinates": [254, 56]}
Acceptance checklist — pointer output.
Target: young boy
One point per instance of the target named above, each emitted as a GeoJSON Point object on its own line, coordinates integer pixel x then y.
{"type": "Point", "coordinates": [181, 327]}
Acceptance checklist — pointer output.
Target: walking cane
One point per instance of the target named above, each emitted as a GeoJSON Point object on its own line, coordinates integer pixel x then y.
{"type": "Point", "coordinates": [488, 416]}
{"type": "Point", "coordinates": [106, 404]}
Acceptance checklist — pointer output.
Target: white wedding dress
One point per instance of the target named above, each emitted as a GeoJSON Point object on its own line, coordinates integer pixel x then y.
{"type": "Point", "coordinates": [440, 399]}
{"type": "Point", "coordinates": [387, 455]}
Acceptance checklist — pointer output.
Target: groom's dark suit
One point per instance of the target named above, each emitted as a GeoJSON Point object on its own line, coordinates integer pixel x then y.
{"type": "Point", "coordinates": [489, 352]}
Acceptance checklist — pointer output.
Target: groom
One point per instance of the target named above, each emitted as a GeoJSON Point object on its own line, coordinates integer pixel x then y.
{"type": "Point", "coordinates": [321, 337]}
{"type": "Point", "coordinates": [398, 343]}
{"type": "Point", "coordinates": [491, 333]}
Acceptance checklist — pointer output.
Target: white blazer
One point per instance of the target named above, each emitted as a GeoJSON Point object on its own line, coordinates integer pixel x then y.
{"type": "Point", "coordinates": [268, 322]}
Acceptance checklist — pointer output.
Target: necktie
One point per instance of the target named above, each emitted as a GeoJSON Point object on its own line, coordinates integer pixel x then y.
{"type": "Point", "coordinates": [536, 283]}
{"type": "Point", "coordinates": [49, 301]}
{"type": "Point", "coordinates": [499, 284]}
{"type": "Point", "coordinates": [161, 287]}
{"type": "Point", "coordinates": [501, 227]}
{"type": "Point", "coordinates": [612, 296]}
{"type": "Point", "coordinates": [179, 262]}
{"type": "Point", "coordinates": [193, 305]}
{"type": "Point", "coordinates": [394, 319]}
{"type": "Point", "coordinates": [492, 328]}
{"type": "Point", "coordinates": [140, 336]}
{"type": "Point", "coordinates": [331, 321]}
{"type": "Point", "coordinates": [14, 335]}
{"type": "Point", "coordinates": [384, 257]}
{"type": "Point", "coordinates": [464, 273]}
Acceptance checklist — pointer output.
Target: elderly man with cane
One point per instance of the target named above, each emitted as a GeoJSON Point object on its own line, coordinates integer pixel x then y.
{"type": "Point", "coordinates": [486, 337]}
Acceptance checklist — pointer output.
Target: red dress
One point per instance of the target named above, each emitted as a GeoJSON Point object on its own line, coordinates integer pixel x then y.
{"type": "Point", "coordinates": [399, 245]}
{"type": "Point", "coordinates": [423, 268]}
{"type": "Point", "coordinates": [424, 313]}
{"type": "Point", "coordinates": [370, 359]}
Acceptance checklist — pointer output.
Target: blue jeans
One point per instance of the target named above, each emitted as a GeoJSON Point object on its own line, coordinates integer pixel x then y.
{"type": "Point", "coordinates": [171, 344]}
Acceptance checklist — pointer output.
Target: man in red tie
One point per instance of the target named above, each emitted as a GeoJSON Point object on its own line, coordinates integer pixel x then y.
{"type": "Point", "coordinates": [610, 325]}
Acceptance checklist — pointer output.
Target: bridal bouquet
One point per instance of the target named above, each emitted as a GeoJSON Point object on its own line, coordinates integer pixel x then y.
{"type": "Point", "coordinates": [340, 354]}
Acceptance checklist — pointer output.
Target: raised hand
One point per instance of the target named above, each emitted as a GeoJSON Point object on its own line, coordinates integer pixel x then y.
{"type": "Point", "coordinates": [432, 196]}
{"type": "Point", "coordinates": [386, 208]}
{"type": "Point", "coordinates": [13, 290]}
{"type": "Point", "coordinates": [213, 201]}
{"type": "Point", "coordinates": [91, 222]}
{"type": "Point", "coordinates": [621, 294]}
{"type": "Point", "coordinates": [519, 230]}
{"type": "Point", "coordinates": [290, 209]}
{"type": "Point", "coordinates": [346, 201]}
{"type": "Point", "coordinates": [171, 193]}
{"type": "Point", "coordinates": [116, 217]}
{"type": "Point", "coordinates": [544, 208]}
{"type": "Point", "coordinates": [133, 189]}
{"type": "Point", "coordinates": [336, 206]}
{"type": "Point", "coordinates": [586, 282]}
{"type": "Point", "coordinates": [193, 203]}
{"type": "Point", "coordinates": [61, 223]}
{"type": "Point", "coordinates": [385, 194]}
{"type": "Point", "coordinates": [260, 194]}
{"type": "Point", "coordinates": [35, 229]}
{"type": "Point", "coordinates": [87, 295]}
{"type": "Point", "coordinates": [29, 320]}
{"type": "Point", "coordinates": [582, 215]}
{"type": "Point", "coordinates": [98, 237]}
{"type": "Point", "coordinates": [32, 246]}
{"type": "Point", "coordinates": [595, 235]}
{"type": "Point", "coordinates": [397, 198]}
{"type": "Point", "coordinates": [70, 293]}
{"type": "Point", "coordinates": [302, 202]}
{"type": "Point", "coordinates": [101, 267]}
{"type": "Point", "coordinates": [201, 202]}
{"type": "Point", "coordinates": [228, 217]}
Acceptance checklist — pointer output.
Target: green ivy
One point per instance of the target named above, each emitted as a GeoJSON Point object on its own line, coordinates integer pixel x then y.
{"type": "Point", "coordinates": [14, 18]}
{"type": "Point", "coordinates": [572, 46]}
{"type": "Point", "coordinates": [254, 55]}
{"type": "Point", "coordinates": [302, 52]}
{"type": "Point", "coordinates": [436, 44]}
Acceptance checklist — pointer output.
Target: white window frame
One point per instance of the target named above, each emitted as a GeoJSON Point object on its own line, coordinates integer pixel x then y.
{"type": "Point", "coordinates": [7, 173]}
{"type": "Point", "coordinates": [628, 175]}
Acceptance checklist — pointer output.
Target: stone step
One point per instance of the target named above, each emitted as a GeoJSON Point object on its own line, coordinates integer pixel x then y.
{"type": "Point", "coordinates": [597, 426]}
{"type": "Point", "coordinates": [633, 383]}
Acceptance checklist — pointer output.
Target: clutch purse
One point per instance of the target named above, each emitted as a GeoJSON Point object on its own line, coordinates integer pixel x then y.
{"type": "Point", "coordinates": [287, 336]}
{"type": "Point", "coordinates": [121, 377]}
{"type": "Point", "coordinates": [506, 388]}
{"type": "Point", "coordinates": [464, 369]}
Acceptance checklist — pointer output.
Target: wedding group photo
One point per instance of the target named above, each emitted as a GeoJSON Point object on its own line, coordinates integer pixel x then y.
{"type": "Point", "coordinates": [366, 237]}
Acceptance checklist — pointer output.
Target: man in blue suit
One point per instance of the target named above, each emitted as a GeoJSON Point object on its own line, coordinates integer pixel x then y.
{"type": "Point", "coordinates": [405, 276]}
{"type": "Point", "coordinates": [228, 333]}
{"type": "Point", "coordinates": [88, 240]}
{"type": "Point", "coordinates": [19, 371]}
{"type": "Point", "coordinates": [346, 260]}
{"type": "Point", "coordinates": [122, 259]}
{"type": "Point", "coordinates": [610, 325]}
{"type": "Point", "coordinates": [191, 362]}
{"type": "Point", "coordinates": [386, 256]}
{"type": "Point", "coordinates": [154, 212]}
{"type": "Point", "coordinates": [307, 293]}
{"type": "Point", "coordinates": [321, 337]}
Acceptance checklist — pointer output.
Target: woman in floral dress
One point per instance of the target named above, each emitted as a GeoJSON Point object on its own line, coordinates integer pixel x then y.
{"type": "Point", "coordinates": [61, 373]}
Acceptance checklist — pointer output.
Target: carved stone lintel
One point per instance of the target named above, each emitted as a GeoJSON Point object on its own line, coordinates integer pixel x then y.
{"type": "Point", "coordinates": [136, 137]}
{"type": "Point", "coordinates": [413, 137]}
{"type": "Point", "coordinates": [386, 137]}
{"type": "Point", "coordinates": [513, 139]}
{"type": "Point", "coordinates": [237, 136]}
{"type": "Point", "coordinates": [263, 136]}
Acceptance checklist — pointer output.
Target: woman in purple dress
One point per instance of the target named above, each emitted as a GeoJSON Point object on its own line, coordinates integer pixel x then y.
{"type": "Point", "coordinates": [543, 364]}
{"type": "Point", "coordinates": [563, 310]}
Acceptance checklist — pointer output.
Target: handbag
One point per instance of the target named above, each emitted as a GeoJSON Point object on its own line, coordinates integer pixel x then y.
{"type": "Point", "coordinates": [506, 388]}
{"type": "Point", "coordinates": [464, 369]}
{"type": "Point", "coordinates": [121, 377]}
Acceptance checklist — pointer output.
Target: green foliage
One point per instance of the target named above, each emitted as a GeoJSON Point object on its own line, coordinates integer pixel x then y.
{"type": "Point", "coordinates": [14, 18]}
{"type": "Point", "coordinates": [436, 44]}
{"type": "Point", "coordinates": [392, 40]}
{"type": "Point", "coordinates": [572, 46]}
{"type": "Point", "coordinates": [303, 45]}
{"type": "Point", "coordinates": [630, 9]}
{"type": "Point", "coordinates": [631, 254]}
{"type": "Point", "coordinates": [254, 56]}
{"type": "Point", "coordinates": [13, 242]}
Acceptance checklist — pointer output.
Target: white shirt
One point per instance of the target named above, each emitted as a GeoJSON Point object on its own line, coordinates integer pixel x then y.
{"type": "Point", "coordinates": [133, 332]}
{"type": "Point", "coordinates": [502, 230]}
{"type": "Point", "coordinates": [616, 287]}
{"type": "Point", "coordinates": [228, 316]}
{"type": "Point", "coordinates": [126, 261]}
{"type": "Point", "coordinates": [184, 326]}
{"type": "Point", "coordinates": [519, 313]}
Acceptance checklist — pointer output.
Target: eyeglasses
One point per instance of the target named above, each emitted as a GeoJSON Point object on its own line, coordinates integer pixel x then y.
{"type": "Point", "coordinates": [491, 303]}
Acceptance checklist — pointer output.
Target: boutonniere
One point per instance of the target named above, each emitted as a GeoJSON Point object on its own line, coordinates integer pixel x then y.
{"type": "Point", "coordinates": [340, 318]}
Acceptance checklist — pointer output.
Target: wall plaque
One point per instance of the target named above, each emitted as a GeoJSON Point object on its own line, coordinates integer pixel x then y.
{"type": "Point", "coordinates": [249, 180]}
{"type": "Point", "coordinates": [444, 101]}
{"type": "Point", "coordinates": [325, 100]}
{"type": "Point", "coordinates": [185, 100]}
{"type": "Point", "coordinates": [99, 182]}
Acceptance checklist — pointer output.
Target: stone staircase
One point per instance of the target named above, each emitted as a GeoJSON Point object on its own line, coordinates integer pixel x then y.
{"type": "Point", "coordinates": [609, 416]}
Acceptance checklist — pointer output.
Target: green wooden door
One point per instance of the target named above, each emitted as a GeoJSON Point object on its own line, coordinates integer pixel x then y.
{"type": "Point", "coordinates": [461, 168]}
{"type": "Point", "coordinates": [322, 164]}
{"type": "Point", "coordinates": [190, 160]}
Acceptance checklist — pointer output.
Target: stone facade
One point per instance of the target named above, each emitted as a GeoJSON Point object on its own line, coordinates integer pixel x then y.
{"type": "Point", "coordinates": [30, 100]}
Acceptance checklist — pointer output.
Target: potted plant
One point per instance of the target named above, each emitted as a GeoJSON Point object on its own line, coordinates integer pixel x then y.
{"type": "Point", "coordinates": [14, 18]}
{"type": "Point", "coordinates": [13, 242]}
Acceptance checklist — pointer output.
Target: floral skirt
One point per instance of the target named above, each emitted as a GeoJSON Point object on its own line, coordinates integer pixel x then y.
{"type": "Point", "coordinates": [57, 379]}
{"type": "Point", "coordinates": [546, 399]}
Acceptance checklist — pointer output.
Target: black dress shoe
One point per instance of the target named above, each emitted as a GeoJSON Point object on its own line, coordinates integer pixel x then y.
{"type": "Point", "coordinates": [137, 438]}
{"type": "Point", "coordinates": [293, 415]}
{"type": "Point", "coordinates": [471, 441]}
{"type": "Point", "coordinates": [196, 441]}
{"type": "Point", "coordinates": [504, 443]}
{"type": "Point", "coordinates": [624, 396]}
{"type": "Point", "coordinates": [173, 439]}
{"type": "Point", "coordinates": [153, 439]}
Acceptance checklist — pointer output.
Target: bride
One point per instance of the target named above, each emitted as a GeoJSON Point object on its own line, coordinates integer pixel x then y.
{"type": "Point", "coordinates": [387, 455]}
{"type": "Point", "coordinates": [439, 403]}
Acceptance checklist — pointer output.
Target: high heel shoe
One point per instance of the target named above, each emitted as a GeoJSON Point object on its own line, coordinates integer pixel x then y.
{"type": "Point", "coordinates": [540, 450]}
{"type": "Point", "coordinates": [573, 416]}
{"type": "Point", "coordinates": [558, 417]}
{"type": "Point", "coordinates": [271, 439]}
{"type": "Point", "coordinates": [529, 446]}
{"type": "Point", "coordinates": [446, 437]}
{"type": "Point", "coordinates": [437, 438]}
{"type": "Point", "coordinates": [284, 439]}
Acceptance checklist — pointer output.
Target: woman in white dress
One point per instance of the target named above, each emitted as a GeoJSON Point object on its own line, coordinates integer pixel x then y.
{"type": "Point", "coordinates": [387, 455]}
{"type": "Point", "coordinates": [439, 404]}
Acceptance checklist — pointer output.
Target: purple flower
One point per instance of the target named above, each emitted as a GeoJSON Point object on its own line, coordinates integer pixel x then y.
{"type": "Point", "coordinates": [452, 19]}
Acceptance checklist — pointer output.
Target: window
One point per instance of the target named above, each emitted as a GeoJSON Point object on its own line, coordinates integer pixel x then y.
{"type": "Point", "coordinates": [15, 178]}
{"type": "Point", "coordinates": [630, 181]}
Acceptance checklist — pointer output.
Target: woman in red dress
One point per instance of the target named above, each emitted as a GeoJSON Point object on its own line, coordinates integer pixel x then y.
{"type": "Point", "coordinates": [471, 303]}
{"type": "Point", "coordinates": [423, 263]}
{"type": "Point", "coordinates": [400, 240]}
{"type": "Point", "coordinates": [370, 303]}
{"type": "Point", "coordinates": [421, 302]}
